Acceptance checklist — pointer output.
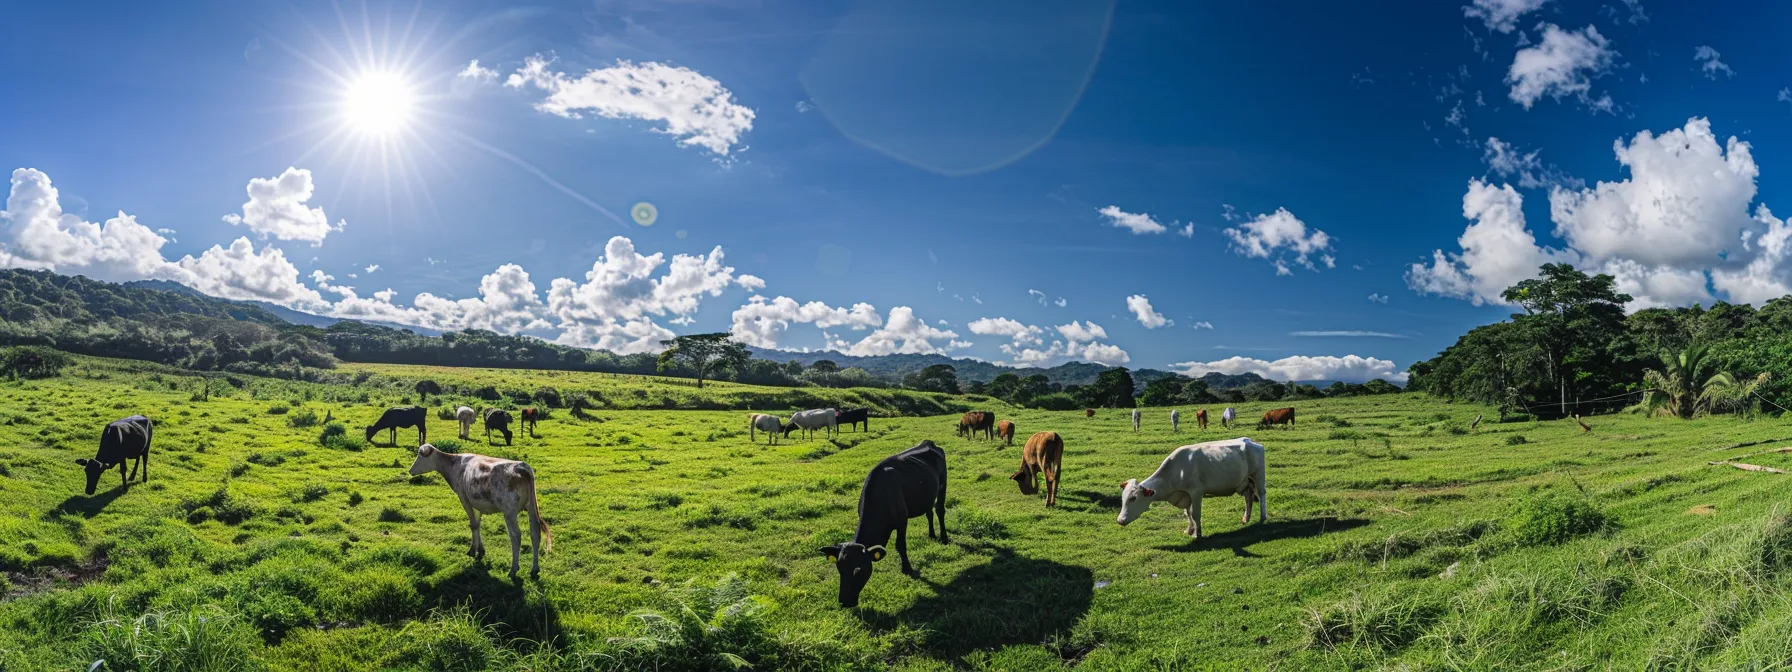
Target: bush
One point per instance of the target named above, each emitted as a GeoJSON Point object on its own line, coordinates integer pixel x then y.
{"type": "Point", "coordinates": [30, 361]}
{"type": "Point", "coordinates": [221, 506]}
{"type": "Point", "coordinates": [311, 493]}
{"type": "Point", "coordinates": [548, 397]}
{"type": "Point", "coordinates": [336, 436]}
{"type": "Point", "coordinates": [488, 393]}
{"type": "Point", "coordinates": [448, 445]}
{"type": "Point", "coordinates": [278, 409]}
{"type": "Point", "coordinates": [391, 515]}
{"type": "Point", "coordinates": [1553, 519]}
{"type": "Point", "coordinates": [1056, 402]}
{"type": "Point", "coordinates": [1515, 440]}
{"type": "Point", "coordinates": [302, 419]}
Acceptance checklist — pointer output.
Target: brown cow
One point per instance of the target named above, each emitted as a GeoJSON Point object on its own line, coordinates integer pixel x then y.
{"type": "Point", "coordinates": [977, 421]}
{"type": "Point", "coordinates": [1005, 429]}
{"type": "Point", "coordinates": [1088, 412]}
{"type": "Point", "coordinates": [1201, 418]}
{"type": "Point", "coordinates": [530, 417]}
{"type": "Point", "coordinates": [1044, 453]}
{"type": "Point", "coordinates": [1278, 416]}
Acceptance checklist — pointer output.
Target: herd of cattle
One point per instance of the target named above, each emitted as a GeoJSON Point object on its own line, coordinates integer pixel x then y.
{"type": "Point", "coordinates": [907, 485]}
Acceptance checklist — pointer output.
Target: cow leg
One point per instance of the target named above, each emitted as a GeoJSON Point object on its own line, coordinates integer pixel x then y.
{"type": "Point", "coordinates": [1250, 496]}
{"type": "Point", "coordinates": [516, 541]}
{"type": "Point", "coordinates": [476, 550]}
{"type": "Point", "coordinates": [135, 462]}
{"type": "Point", "coordinates": [1194, 515]}
{"type": "Point", "coordinates": [535, 524]}
{"type": "Point", "coordinates": [422, 433]}
{"type": "Point", "coordinates": [930, 533]}
{"type": "Point", "coordinates": [939, 506]}
{"type": "Point", "coordinates": [1262, 502]}
{"type": "Point", "coordinates": [122, 478]}
{"type": "Point", "coordinates": [902, 550]}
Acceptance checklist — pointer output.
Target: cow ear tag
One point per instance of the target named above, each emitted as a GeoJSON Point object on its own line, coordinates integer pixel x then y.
{"type": "Point", "coordinates": [877, 553]}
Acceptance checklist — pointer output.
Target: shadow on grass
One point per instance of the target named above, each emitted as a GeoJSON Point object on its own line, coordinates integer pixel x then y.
{"type": "Point", "coordinates": [1106, 500]}
{"type": "Point", "coordinates": [517, 608]}
{"type": "Point", "coordinates": [1239, 540]}
{"type": "Point", "coordinates": [1010, 600]}
{"type": "Point", "coordinates": [87, 506]}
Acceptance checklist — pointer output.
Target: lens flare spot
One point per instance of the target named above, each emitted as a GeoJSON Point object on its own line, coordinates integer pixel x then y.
{"type": "Point", "coordinates": [644, 213]}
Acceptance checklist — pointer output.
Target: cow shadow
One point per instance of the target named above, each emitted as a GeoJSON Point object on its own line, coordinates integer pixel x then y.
{"type": "Point", "coordinates": [515, 608]}
{"type": "Point", "coordinates": [86, 506]}
{"type": "Point", "coordinates": [1106, 500]}
{"type": "Point", "coordinates": [1012, 599]}
{"type": "Point", "coordinates": [1240, 540]}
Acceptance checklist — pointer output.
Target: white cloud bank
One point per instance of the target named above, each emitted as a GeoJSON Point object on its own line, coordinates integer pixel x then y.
{"type": "Point", "coordinates": [1349, 368]}
{"type": "Point", "coordinates": [1501, 15]}
{"type": "Point", "coordinates": [1562, 63]}
{"type": "Point", "coordinates": [694, 108]}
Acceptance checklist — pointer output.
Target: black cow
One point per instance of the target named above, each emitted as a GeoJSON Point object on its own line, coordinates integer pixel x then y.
{"type": "Point", "coordinates": [402, 416]}
{"type": "Point", "coordinates": [121, 442]}
{"type": "Point", "coordinates": [903, 486]}
{"type": "Point", "coordinates": [498, 419]}
{"type": "Point", "coordinates": [852, 417]}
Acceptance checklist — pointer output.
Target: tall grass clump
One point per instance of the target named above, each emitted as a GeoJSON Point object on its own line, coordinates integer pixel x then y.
{"type": "Point", "coordinates": [1546, 519]}
{"type": "Point", "coordinates": [202, 639]}
{"type": "Point", "coordinates": [335, 435]}
{"type": "Point", "coordinates": [1381, 621]}
{"type": "Point", "coordinates": [302, 419]}
{"type": "Point", "coordinates": [715, 627]}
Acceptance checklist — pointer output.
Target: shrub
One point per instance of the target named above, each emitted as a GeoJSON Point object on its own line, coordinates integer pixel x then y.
{"type": "Point", "coordinates": [548, 396]}
{"type": "Point", "coordinates": [30, 361]}
{"type": "Point", "coordinates": [1515, 440]}
{"type": "Point", "coordinates": [221, 506]}
{"type": "Point", "coordinates": [336, 436]}
{"type": "Point", "coordinates": [391, 515]}
{"type": "Point", "coordinates": [278, 409]}
{"type": "Point", "coordinates": [979, 524]}
{"type": "Point", "coordinates": [703, 628]}
{"type": "Point", "coordinates": [1056, 402]}
{"type": "Point", "coordinates": [448, 445]}
{"type": "Point", "coordinates": [1553, 519]}
{"type": "Point", "coordinates": [488, 393]}
{"type": "Point", "coordinates": [311, 493]}
{"type": "Point", "coordinates": [355, 499]}
{"type": "Point", "coordinates": [302, 419]}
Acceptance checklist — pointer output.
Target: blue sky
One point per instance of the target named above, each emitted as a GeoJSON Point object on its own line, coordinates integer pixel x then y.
{"type": "Point", "coordinates": [925, 179]}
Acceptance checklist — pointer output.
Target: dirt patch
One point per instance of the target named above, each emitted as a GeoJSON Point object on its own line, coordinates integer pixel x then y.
{"type": "Point", "coordinates": [45, 578]}
{"type": "Point", "coordinates": [1702, 510]}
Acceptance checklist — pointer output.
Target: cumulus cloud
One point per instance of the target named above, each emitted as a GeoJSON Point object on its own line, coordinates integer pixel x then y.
{"type": "Point", "coordinates": [1507, 161]}
{"type": "Point", "coordinates": [749, 281]}
{"type": "Point", "coordinates": [239, 272]}
{"type": "Point", "coordinates": [1138, 223]}
{"type": "Point", "coordinates": [1022, 334]}
{"type": "Point", "coordinates": [1711, 62]}
{"type": "Point", "coordinates": [1146, 315]}
{"type": "Point", "coordinates": [1767, 276]}
{"type": "Point", "coordinates": [371, 268]}
{"type": "Point", "coordinates": [1278, 234]}
{"type": "Point", "coordinates": [1078, 332]}
{"type": "Point", "coordinates": [694, 108]}
{"type": "Point", "coordinates": [1501, 15]}
{"type": "Point", "coordinates": [1202, 325]}
{"type": "Point", "coordinates": [277, 209]}
{"type": "Point", "coordinates": [1562, 63]}
{"type": "Point", "coordinates": [902, 334]}
{"type": "Point", "coordinates": [1077, 341]}
{"type": "Point", "coordinates": [1345, 334]}
{"type": "Point", "coordinates": [1349, 368]}
{"type": "Point", "coordinates": [1498, 250]}
{"type": "Point", "coordinates": [762, 322]}
{"type": "Point", "coordinates": [1378, 298]}
{"type": "Point", "coordinates": [477, 74]}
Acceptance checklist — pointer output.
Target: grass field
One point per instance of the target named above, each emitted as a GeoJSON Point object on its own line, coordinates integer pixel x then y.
{"type": "Point", "coordinates": [1398, 538]}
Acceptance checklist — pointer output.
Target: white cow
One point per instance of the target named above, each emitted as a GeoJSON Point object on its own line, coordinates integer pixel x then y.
{"type": "Point", "coordinates": [1175, 420]}
{"type": "Point", "coordinates": [465, 416]}
{"type": "Point", "coordinates": [1135, 420]}
{"type": "Point", "coordinates": [491, 485]}
{"type": "Point", "coordinates": [770, 424]}
{"type": "Point", "coordinates": [811, 420]}
{"type": "Point", "coordinates": [1190, 473]}
{"type": "Point", "coordinates": [1228, 417]}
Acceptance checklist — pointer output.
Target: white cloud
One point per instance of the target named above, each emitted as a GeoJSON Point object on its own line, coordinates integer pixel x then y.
{"type": "Point", "coordinates": [1378, 298]}
{"type": "Point", "coordinates": [1497, 250]}
{"type": "Point", "coordinates": [1022, 334]}
{"type": "Point", "coordinates": [1785, 95]}
{"type": "Point", "coordinates": [371, 268]}
{"type": "Point", "coordinates": [1037, 294]}
{"type": "Point", "coordinates": [694, 108]}
{"type": "Point", "coordinates": [1280, 231]}
{"type": "Point", "coordinates": [1767, 276]}
{"type": "Point", "coordinates": [1507, 161]}
{"type": "Point", "coordinates": [1349, 368]}
{"type": "Point", "coordinates": [1146, 315]}
{"type": "Point", "coordinates": [750, 282]}
{"type": "Point", "coordinates": [276, 208]}
{"type": "Point", "coordinates": [1138, 223]}
{"type": "Point", "coordinates": [1501, 15]}
{"type": "Point", "coordinates": [475, 73]}
{"type": "Point", "coordinates": [1203, 325]}
{"type": "Point", "coordinates": [1346, 334]}
{"type": "Point", "coordinates": [1563, 63]}
{"type": "Point", "coordinates": [1187, 231]}
{"type": "Point", "coordinates": [239, 272]}
{"type": "Point", "coordinates": [1060, 302]}
{"type": "Point", "coordinates": [621, 288]}
{"type": "Point", "coordinates": [902, 334]}
{"type": "Point", "coordinates": [1711, 63]}
{"type": "Point", "coordinates": [1078, 332]}
{"type": "Point", "coordinates": [761, 323]}
{"type": "Point", "coordinates": [804, 106]}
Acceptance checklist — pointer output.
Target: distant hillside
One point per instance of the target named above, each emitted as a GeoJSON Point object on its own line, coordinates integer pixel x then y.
{"type": "Point", "coordinates": [284, 313]}
{"type": "Point", "coordinates": [1070, 373]}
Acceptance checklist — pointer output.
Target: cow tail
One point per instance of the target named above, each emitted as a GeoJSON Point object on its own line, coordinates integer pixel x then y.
{"type": "Point", "coordinates": [547, 535]}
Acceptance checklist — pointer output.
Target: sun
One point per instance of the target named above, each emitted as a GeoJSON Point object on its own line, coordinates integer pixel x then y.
{"type": "Point", "coordinates": [378, 103]}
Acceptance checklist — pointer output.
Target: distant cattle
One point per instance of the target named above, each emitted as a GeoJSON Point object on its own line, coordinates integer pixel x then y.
{"type": "Point", "coordinates": [1088, 412]}
{"type": "Point", "coordinates": [1280, 416]}
{"type": "Point", "coordinates": [1044, 453]}
{"type": "Point", "coordinates": [1175, 420]}
{"type": "Point", "coordinates": [499, 420]}
{"type": "Point", "coordinates": [906, 485]}
{"type": "Point", "coordinates": [120, 442]}
{"type": "Point", "coordinates": [402, 417]}
{"type": "Point", "coordinates": [770, 424]}
{"type": "Point", "coordinates": [492, 485]}
{"type": "Point", "coordinates": [1228, 417]}
{"type": "Point", "coordinates": [811, 420]}
{"type": "Point", "coordinates": [1135, 420]}
{"type": "Point", "coordinates": [1005, 432]}
{"type": "Point", "coordinates": [465, 416]}
{"type": "Point", "coordinates": [530, 416]}
{"type": "Point", "coordinates": [853, 417]}
{"type": "Point", "coordinates": [977, 421]}
{"type": "Point", "coordinates": [1201, 419]}
{"type": "Point", "coordinates": [1190, 473]}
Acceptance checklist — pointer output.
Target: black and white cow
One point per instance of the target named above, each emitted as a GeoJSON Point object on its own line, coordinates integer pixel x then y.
{"type": "Point", "coordinates": [906, 485]}
{"type": "Point", "coordinates": [402, 416]}
{"type": "Point", "coordinates": [122, 441]}
{"type": "Point", "coordinates": [497, 419]}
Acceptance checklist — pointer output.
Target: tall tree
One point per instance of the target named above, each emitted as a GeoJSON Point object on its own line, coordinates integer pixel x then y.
{"type": "Point", "coordinates": [935, 378]}
{"type": "Point", "coordinates": [425, 388]}
{"type": "Point", "coordinates": [824, 366]}
{"type": "Point", "coordinates": [1681, 389]}
{"type": "Point", "coordinates": [1111, 389]}
{"type": "Point", "coordinates": [703, 353]}
{"type": "Point", "coordinates": [1574, 319]}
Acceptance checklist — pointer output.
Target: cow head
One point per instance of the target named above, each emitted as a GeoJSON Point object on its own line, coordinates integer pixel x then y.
{"type": "Point", "coordinates": [371, 430]}
{"type": "Point", "coordinates": [854, 562]}
{"type": "Point", "coordinates": [95, 469]}
{"type": "Point", "coordinates": [426, 460]}
{"type": "Point", "coordinates": [1134, 500]}
{"type": "Point", "coordinates": [1028, 482]}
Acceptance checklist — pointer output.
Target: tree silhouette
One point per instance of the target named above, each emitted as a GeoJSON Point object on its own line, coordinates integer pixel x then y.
{"type": "Point", "coordinates": [703, 353]}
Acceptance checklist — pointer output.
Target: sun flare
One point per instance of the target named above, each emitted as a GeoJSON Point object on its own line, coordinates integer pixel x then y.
{"type": "Point", "coordinates": [378, 103]}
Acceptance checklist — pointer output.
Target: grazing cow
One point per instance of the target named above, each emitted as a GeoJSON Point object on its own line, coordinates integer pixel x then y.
{"type": "Point", "coordinates": [1005, 430]}
{"type": "Point", "coordinates": [1088, 412]}
{"type": "Point", "coordinates": [1135, 420]}
{"type": "Point", "coordinates": [1044, 452]}
{"type": "Point", "coordinates": [811, 420]}
{"type": "Point", "coordinates": [1228, 417]}
{"type": "Point", "coordinates": [770, 424]}
{"type": "Point", "coordinates": [1175, 420]}
{"type": "Point", "coordinates": [529, 416]}
{"type": "Point", "coordinates": [465, 416]}
{"type": "Point", "coordinates": [498, 419]}
{"type": "Point", "coordinates": [977, 421]}
{"type": "Point", "coordinates": [1201, 419]}
{"type": "Point", "coordinates": [120, 442]}
{"type": "Point", "coordinates": [906, 485]}
{"type": "Point", "coordinates": [1279, 416]}
{"type": "Point", "coordinates": [491, 485]}
{"type": "Point", "coordinates": [1190, 473]}
{"type": "Point", "coordinates": [402, 416]}
{"type": "Point", "coordinates": [853, 417]}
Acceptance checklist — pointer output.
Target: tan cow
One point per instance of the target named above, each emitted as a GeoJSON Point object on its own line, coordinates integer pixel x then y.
{"type": "Point", "coordinates": [770, 424]}
{"type": "Point", "coordinates": [1005, 431]}
{"type": "Point", "coordinates": [465, 416]}
{"type": "Point", "coordinates": [491, 485]}
{"type": "Point", "coordinates": [1044, 452]}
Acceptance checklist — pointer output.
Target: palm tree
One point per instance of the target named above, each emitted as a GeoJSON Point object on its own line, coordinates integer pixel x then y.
{"type": "Point", "coordinates": [1676, 389]}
